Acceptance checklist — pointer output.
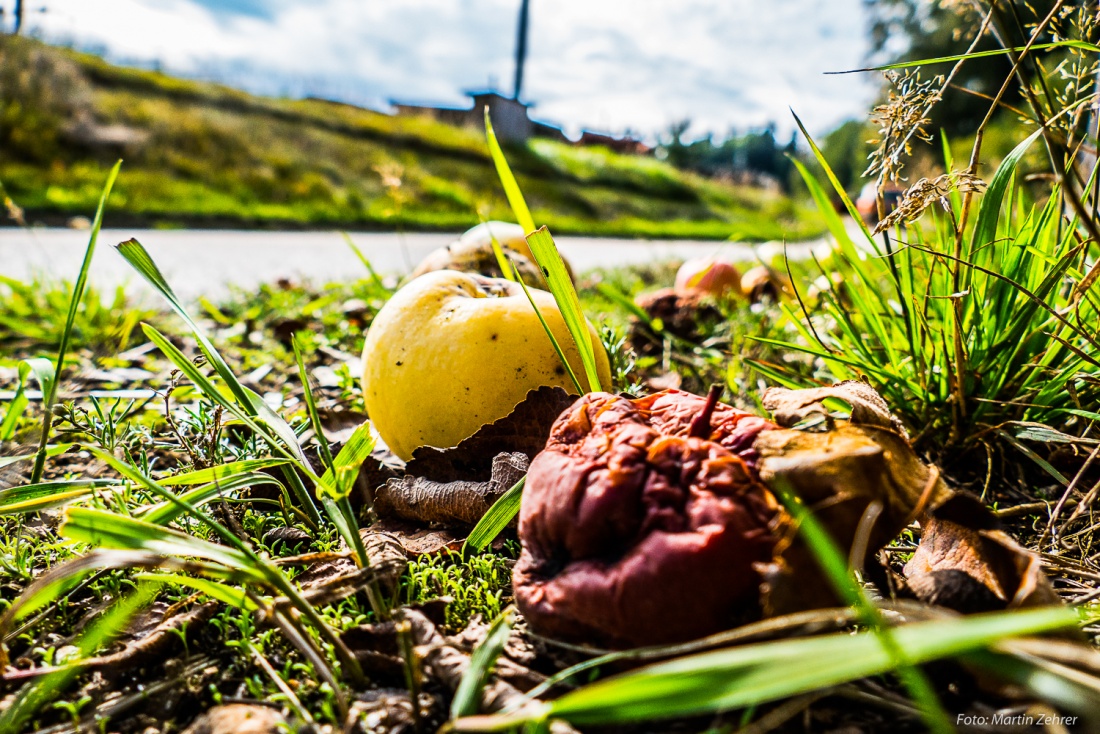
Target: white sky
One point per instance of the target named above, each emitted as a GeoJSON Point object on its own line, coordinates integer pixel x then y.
{"type": "Point", "coordinates": [599, 64]}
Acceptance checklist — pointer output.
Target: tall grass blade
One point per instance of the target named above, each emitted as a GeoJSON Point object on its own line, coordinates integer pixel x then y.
{"type": "Point", "coordinates": [508, 180]}
{"type": "Point", "coordinates": [835, 566]}
{"type": "Point", "coordinates": [549, 334]}
{"type": "Point", "coordinates": [565, 295]}
{"type": "Point", "coordinates": [985, 230]}
{"type": "Point", "coordinates": [49, 393]}
{"type": "Point", "coordinates": [47, 495]}
{"type": "Point", "coordinates": [221, 472]}
{"type": "Point", "coordinates": [493, 522]}
{"type": "Point", "coordinates": [548, 259]}
{"type": "Point", "coordinates": [231, 595]}
{"type": "Point", "coordinates": [165, 512]}
{"type": "Point", "coordinates": [118, 532]}
{"type": "Point", "coordinates": [1068, 43]}
{"type": "Point", "coordinates": [754, 674]}
{"type": "Point", "coordinates": [468, 695]}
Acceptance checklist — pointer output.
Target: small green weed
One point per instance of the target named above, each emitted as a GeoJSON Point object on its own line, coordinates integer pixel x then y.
{"type": "Point", "coordinates": [478, 585]}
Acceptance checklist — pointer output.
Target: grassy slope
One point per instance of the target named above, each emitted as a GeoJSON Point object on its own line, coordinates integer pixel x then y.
{"type": "Point", "coordinates": [215, 155]}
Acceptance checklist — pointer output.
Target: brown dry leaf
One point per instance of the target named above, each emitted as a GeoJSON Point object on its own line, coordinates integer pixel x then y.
{"type": "Point", "coordinates": [239, 718]}
{"type": "Point", "coordinates": [417, 540]}
{"type": "Point", "coordinates": [967, 563]}
{"type": "Point", "coordinates": [422, 500]}
{"type": "Point", "coordinates": [525, 431]}
{"type": "Point", "coordinates": [844, 476]}
{"type": "Point", "coordinates": [789, 407]}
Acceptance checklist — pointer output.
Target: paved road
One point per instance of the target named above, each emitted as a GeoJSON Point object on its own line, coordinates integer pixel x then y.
{"type": "Point", "coordinates": [204, 262]}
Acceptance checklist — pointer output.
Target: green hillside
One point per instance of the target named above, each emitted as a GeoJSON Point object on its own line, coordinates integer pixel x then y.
{"type": "Point", "coordinates": [200, 154]}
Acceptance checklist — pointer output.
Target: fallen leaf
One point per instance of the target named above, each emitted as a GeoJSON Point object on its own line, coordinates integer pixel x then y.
{"type": "Point", "coordinates": [417, 540]}
{"type": "Point", "coordinates": [966, 562]}
{"type": "Point", "coordinates": [239, 718]}
{"type": "Point", "coordinates": [525, 431]}
{"type": "Point", "coordinates": [841, 475]}
{"type": "Point", "coordinates": [423, 500]}
{"type": "Point", "coordinates": [789, 407]}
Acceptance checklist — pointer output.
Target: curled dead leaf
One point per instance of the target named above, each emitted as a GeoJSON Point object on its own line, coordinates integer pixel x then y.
{"type": "Point", "coordinates": [966, 562]}
{"type": "Point", "coordinates": [863, 483]}
{"type": "Point", "coordinates": [419, 499]}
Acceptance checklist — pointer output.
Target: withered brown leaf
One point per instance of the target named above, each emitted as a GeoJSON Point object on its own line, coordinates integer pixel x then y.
{"type": "Point", "coordinates": [525, 431]}
{"type": "Point", "coordinates": [423, 500]}
{"type": "Point", "coordinates": [966, 562]}
{"type": "Point", "coordinates": [844, 476]}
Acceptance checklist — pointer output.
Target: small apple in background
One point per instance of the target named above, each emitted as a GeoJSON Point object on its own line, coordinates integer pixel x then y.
{"type": "Point", "coordinates": [451, 351]}
{"type": "Point", "coordinates": [713, 276]}
{"type": "Point", "coordinates": [762, 282]}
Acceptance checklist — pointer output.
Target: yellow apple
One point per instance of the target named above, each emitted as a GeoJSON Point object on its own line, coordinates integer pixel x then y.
{"type": "Point", "coordinates": [451, 351]}
{"type": "Point", "coordinates": [473, 253]}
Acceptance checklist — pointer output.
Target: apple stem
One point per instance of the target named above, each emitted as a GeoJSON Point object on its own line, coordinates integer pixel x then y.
{"type": "Point", "coordinates": [700, 424]}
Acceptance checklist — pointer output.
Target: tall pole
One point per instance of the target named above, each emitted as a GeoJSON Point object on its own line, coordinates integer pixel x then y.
{"type": "Point", "coordinates": [18, 16]}
{"type": "Point", "coordinates": [521, 48]}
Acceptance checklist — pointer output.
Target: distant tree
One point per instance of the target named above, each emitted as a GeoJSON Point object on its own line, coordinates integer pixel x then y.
{"type": "Point", "coordinates": [755, 153]}
{"type": "Point", "coordinates": [846, 149]}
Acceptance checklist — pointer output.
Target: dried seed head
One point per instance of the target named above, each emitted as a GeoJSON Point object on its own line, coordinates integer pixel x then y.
{"type": "Point", "coordinates": [925, 193]}
{"type": "Point", "coordinates": [900, 119]}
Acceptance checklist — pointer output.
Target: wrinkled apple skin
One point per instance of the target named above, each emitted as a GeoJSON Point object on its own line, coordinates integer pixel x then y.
{"type": "Point", "coordinates": [452, 351]}
{"type": "Point", "coordinates": [635, 533]}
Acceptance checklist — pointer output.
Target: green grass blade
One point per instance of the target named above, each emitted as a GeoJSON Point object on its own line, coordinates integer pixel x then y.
{"type": "Point", "coordinates": [366, 263]}
{"type": "Point", "coordinates": [835, 565]}
{"type": "Point", "coordinates": [49, 392]}
{"type": "Point", "coordinates": [508, 180]}
{"type": "Point", "coordinates": [46, 495]}
{"type": "Point", "coordinates": [550, 334]}
{"type": "Point", "coordinates": [468, 694]}
{"type": "Point", "coordinates": [338, 481]}
{"type": "Point", "coordinates": [1080, 45]}
{"type": "Point", "coordinates": [118, 532]}
{"type": "Point", "coordinates": [549, 261]}
{"type": "Point", "coordinates": [565, 295]}
{"type": "Point", "coordinates": [42, 370]}
{"type": "Point", "coordinates": [323, 449]}
{"type": "Point", "coordinates": [276, 440]}
{"type": "Point", "coordinates": [848, 204]}
{"type": "Point", "coordinates": [231, 595]}
{"type": "Point", "coordinates": [493, 522]}
{"type": "Point", "coordinates": [985, 230]}
{"type": "Point", "coordinates": [52, 450]}
{"type": "Point", "coordinates": [221, 472]}
{"type": "Point", "coordinates": [165, 512]}
{"type": "Point", "coordinates": [754, 674]}
{"type": "Point", "coordinates": [138, 257]}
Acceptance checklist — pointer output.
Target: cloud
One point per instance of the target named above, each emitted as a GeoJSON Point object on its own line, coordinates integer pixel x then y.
{"type": "Point", "coordinates": [610, 65]}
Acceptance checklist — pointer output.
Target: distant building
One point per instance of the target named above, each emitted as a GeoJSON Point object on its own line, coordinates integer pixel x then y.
{"type": "Point", "coordinates": [510, 119]}
{"type": "Point", "coordinates": [512, 123]}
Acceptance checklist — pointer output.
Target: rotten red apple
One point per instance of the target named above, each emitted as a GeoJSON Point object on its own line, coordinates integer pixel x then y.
{"type": "Point", "coordinates": [640, 510]}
